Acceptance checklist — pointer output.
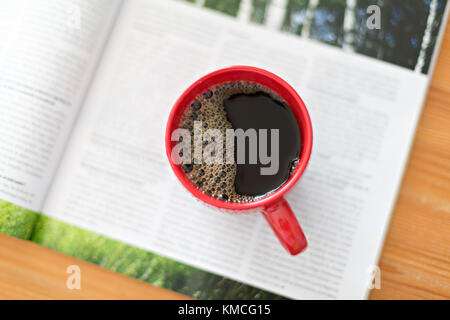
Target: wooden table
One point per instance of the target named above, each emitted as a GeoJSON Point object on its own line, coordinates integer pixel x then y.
{"type": "Point", "coordinates": [415, 263]}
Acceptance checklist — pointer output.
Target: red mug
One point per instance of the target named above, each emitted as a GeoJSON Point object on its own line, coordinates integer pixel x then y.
{"type": "Point", "coordinates": [274, 207]}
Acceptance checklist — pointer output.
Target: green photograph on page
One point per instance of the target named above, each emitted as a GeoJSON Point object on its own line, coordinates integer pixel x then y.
{"type": "Point", "coordinates": [399, 55]}
{"type": "Point", "coordinates": [16, 221]}
{"type": "Point", "coordinates": [121, 257]}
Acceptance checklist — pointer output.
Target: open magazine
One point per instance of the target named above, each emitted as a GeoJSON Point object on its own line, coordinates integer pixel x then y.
{"type": "Point", "coordinates": [85, 91]}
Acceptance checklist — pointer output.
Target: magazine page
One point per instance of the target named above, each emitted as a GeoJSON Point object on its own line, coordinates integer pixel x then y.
{"type": "Point", "coordinates": [48, 53]}
{"type": "Point", "coordinates": [115, 181]}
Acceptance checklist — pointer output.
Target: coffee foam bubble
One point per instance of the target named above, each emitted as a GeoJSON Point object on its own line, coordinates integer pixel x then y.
{"type": "Point", "coordinates": [216, 180]}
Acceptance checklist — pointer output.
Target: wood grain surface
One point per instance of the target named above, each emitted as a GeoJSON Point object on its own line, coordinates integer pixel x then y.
{"type": "Point", "coordinates": [415, 262]}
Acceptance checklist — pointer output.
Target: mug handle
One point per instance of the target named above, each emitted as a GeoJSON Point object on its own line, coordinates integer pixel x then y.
{"type": "Point", "coordinates": [285, 226]}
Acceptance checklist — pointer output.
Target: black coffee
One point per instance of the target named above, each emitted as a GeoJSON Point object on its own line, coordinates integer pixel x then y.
{"type": "Point", "coordinates": [266, 150]}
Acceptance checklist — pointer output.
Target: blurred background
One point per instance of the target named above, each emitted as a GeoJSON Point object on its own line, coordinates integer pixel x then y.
{"type": "Point", "coordinates": [342, 23]}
